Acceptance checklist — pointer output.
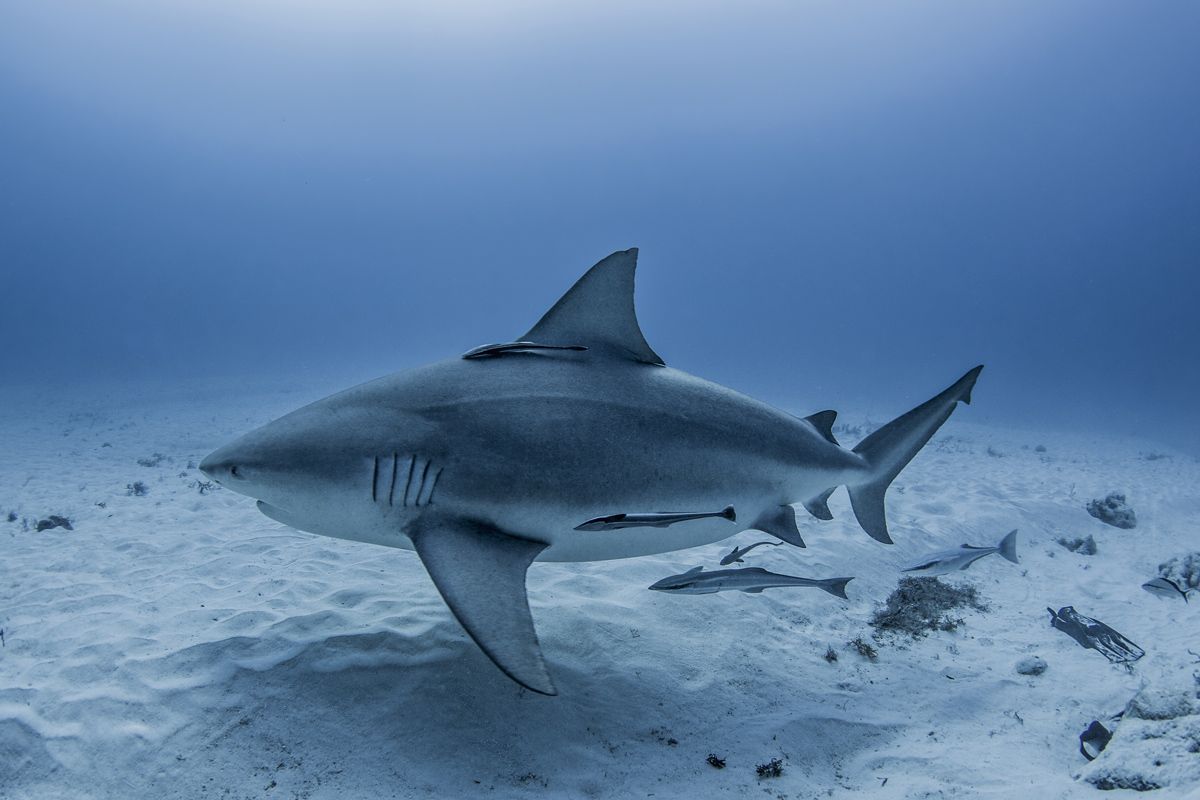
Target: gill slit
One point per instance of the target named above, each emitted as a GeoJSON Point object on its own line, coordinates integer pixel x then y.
{"type": "Point", "coordinates": [433, 485]}
{"type": "Point", "coordinates": [392, 487]}
{"type": "Point", "coordinates": [412, 464]}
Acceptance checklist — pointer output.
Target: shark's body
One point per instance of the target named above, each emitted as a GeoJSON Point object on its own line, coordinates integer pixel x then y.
{"type": "Point", "coordinates": [485, 463]}
{"type": "Point", "coordinates": [745, 579]}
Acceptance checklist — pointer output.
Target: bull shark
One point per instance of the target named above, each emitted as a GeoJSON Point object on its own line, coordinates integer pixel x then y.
{"type": "Point", "coordinates": [490, 461]}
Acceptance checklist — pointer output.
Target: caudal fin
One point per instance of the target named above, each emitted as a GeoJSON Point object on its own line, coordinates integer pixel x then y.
{"type": "Point", "coordinates": [1008, 547]}
{"type": "Point", "coordinates": [835, 586]}
{"type": "Point", "coordinates": [890, 448]}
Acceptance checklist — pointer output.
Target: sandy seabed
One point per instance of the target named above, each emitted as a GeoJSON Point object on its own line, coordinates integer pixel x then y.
{"type": "Point", "coordinates": [179, 644]}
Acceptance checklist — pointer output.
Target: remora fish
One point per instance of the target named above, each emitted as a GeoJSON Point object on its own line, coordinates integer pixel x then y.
{"type": "Point", "coordinates": [485, 464]}
{"type": "Point", "coordinates": [737, 552]}
{"type": "Point", "coordinates": [1165, 587]}
{"type": "Point", "coordinates": [746, 579]}
{"type": "Point", "coordinates": [1095, 635]}
{"type": "Point", "coordinates": [652, 519]}
{"type": "Point", "coordinates": [963, 556]}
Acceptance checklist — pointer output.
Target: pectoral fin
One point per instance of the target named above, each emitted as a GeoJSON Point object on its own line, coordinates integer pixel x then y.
{"type": "Point", "coordinates": [480, 573]}
{"type": "Point", "coordinates": [780, 522]}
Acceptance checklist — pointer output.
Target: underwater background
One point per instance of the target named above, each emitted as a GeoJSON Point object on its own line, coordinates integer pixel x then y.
{"type": "Point", "coordinates": [213, 213]}
{"type": "Point", "coordinates": [837, 205]}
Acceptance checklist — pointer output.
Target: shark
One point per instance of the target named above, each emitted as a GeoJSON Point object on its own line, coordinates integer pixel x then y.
{"type": "Point", "coordinates": [563, 444]}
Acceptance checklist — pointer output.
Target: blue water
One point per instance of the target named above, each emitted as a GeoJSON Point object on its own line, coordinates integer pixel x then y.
{"type": "Point", "coordinates": [835, 205]}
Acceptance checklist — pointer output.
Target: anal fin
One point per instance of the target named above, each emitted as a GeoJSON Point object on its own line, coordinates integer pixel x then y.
{"type": "Point", "coordinates": [480, 573]}
{"type": "Point", "coordinates": [780, 522]}
{"type": "Point", "coordinates": [819, 505]}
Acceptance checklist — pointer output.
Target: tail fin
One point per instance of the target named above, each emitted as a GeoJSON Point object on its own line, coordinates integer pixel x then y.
{"type": "Point", "coordinates": [1008, 547]}
{"type": "Point", "coordinates": [890, 448]}
{"type": "Point", "coordinates": [835, 586]}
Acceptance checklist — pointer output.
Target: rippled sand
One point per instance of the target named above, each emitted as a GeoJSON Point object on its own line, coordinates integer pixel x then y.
{"type": "Point", "coordinates": [180, 644]}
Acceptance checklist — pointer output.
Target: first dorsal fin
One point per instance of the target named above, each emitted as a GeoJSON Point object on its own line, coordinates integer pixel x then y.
{"type": "Point", "coordinates": [597, 312]}
{"type": "Point", "coordinates": [823, 422]}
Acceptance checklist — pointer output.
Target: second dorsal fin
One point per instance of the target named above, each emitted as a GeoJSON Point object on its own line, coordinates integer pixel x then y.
{"type": "Point", "coordinates": [597, 312]}
{"type": "Point", "coordinates": [823, 422]}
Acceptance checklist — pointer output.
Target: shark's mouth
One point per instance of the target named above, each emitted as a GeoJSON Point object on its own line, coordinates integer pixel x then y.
{"type": "Point", "coordinates": [276, 513]}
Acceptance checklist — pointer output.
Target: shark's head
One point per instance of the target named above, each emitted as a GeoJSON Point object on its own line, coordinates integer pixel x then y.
{"type": "Point", "coordinates": [294, 465]}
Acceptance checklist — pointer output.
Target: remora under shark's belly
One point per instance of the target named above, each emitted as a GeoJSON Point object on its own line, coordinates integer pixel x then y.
{"type": "Point", "coordinates": [567, 544]}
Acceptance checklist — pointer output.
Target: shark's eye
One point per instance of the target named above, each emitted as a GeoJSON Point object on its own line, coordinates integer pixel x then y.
{"type": "Point", "coordinates": [233, 471]}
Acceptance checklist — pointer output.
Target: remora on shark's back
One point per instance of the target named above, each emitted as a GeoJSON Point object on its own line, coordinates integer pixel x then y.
{"type": "Point", "coordinates": [488, 462]}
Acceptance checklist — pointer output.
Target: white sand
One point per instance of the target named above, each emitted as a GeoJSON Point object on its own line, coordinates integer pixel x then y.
{"type": "Point", "coordinates": [183, 645]}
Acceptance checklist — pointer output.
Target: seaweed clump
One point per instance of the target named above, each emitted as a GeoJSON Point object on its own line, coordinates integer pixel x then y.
{"type": "Point", "coordinates": [863, 649]}
{"type": "Point", "coordinates": [771, 769]}
{"type": "Point", "coordinates": [920, 605]}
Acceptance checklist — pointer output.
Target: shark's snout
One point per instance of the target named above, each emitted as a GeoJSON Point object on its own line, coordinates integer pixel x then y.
{"type": "Point", "coordinates": [223, 467]}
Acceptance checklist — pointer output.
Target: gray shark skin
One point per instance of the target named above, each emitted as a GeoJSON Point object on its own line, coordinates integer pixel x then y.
{"type": "Point", "coordinates": [746, 579]}
{"type": "Point", "coordinates": [963, 556]}
{"type": "Point", "coordinates": [486, 464]}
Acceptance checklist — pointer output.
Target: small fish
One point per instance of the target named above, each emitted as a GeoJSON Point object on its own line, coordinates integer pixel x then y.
{"type": "Point", "coordinates": [737, 552]}
{"type": "Point", "coordinates": [655, 519]}
{"type": "Point", "coordinates": [746, 579]}
{"type": "Point", "coordinates": [488, 350]}
{"type": "Point", "coordinates": [964, 556]}
{"type": "Point", "coordinates": [1165, 587]}
{"type": "Point", "coordinates": [1095, 635]}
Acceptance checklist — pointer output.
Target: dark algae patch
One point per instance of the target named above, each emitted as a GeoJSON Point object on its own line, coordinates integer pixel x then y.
{"type": "Point", "coordinates": [921, 605]}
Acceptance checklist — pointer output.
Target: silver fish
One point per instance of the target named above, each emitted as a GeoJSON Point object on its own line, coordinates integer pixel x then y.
{"type": "Point", "coordinates": [653, 519]}
{"type": "Point", "coordinates": [963, 556]}
{"type": "Point", "coordinates": [1165, 587]}
{"type": "Point", "coordinates": [747, 579]}
{"type": "Point", "coordinates": [737, 552]}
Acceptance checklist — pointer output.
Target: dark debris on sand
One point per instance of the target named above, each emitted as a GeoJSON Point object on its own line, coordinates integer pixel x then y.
{"type": "Point", "coordinates": [920, 605]}
{"type": "Point", "coordinates": [1084, 547]}
{"type": "Point", "coordinates": [53, 521]}
{"type": "Point", "coordinates": [863, 649]}
{"type": "Point", "coordinates": [771, 769]}
{"type": "Point", "coordinates": [715, 761]}
{"type": "Point", "coordinates": [1114, 511]}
